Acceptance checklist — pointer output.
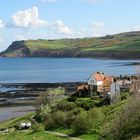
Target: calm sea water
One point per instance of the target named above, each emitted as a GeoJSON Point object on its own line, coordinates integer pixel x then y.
{"type": "Point", "coordinates": [26, 70]}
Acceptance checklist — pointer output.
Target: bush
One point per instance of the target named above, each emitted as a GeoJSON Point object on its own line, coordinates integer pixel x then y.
{"type": "Point", "coordinates": [71, 99]}
{"type": "Point", "coordinates": [36, 128]}
{"type": "Point", "coordinates": [55, 120]}
{"type": "Point", "coordinates": [71, 116]}
{"type": "Point", "coordinates": [124, 96]}
{"type": "Point", "coordinates": [83, 123]}
{"type": "Point", "coordinates": [87, 105]}
{"type": "Point", "coordinates": [66, 106]}
{"type": "Point", "coordinates": [50, 98]}
{"type": "Point", "coordinates": [44, 111]}
{"type": "Point", "coordinates": [127, 123]}
{"type": "Point", "coordinates": [80, 102]}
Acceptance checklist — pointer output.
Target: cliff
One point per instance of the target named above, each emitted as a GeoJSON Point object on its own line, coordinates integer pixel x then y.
{"type": "Point", "coordinates": [119, 46]}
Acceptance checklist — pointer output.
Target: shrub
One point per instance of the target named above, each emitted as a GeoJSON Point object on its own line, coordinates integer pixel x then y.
{"type": "Point", "coordinates": [127, 123]}
{"type": "Point", "coordinates": [55, 120]}
{"type": "Point", "coordinates": [80, 103]}
{"type": "Point", "coordinates": [71, 99]}
{"type": "Point", "coordinates": [124, 96]}
{"type": "Point", "coordinates": [36, 128]}
{"type": "Point", "coordinates": [44, 111]}
{"type": "Point", "coordinates": [83, 123]}
{"type": "Point", "coordinates": [71, 116]}
{"type": "Point", "coordinates": [66, 106]}
{"type": "Point", "coordinates": [87, 105]}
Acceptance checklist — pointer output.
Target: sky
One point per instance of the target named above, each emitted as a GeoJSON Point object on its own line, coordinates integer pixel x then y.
{"type": "Point", "coordinates": [54, 19]}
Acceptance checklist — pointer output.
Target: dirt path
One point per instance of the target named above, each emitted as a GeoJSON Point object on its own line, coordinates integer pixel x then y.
{"type": "Point", "coordinates": [62, 135]}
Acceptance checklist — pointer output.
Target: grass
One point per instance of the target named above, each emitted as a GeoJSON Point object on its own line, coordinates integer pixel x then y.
{"type": "Point", "coordinates": [29, 136]}
{"type": "Point", "coordinates": [87, 44]}
{"type": "Point", "coordinates": [126, 42]}
{"type": "Point", "coordinates": [89, 137]}
{"type": "Point", "coordinates": [16, 121]}
{"type": "Point", "coordinates": [44, 44]}
{"type": "Point", "coordinates": [24, 135]}
{"type": "Point", "coordinates": [103, 117]}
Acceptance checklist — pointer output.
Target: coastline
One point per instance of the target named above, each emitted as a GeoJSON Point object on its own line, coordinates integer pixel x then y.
{"type": "Point", "coordinates": [21, 107]}
{"type": "Point", "coordinates": [100, 57]}
{"type": "Point", "coordinates": [21, 94]}
{"type": "Point", "coordinates": [7, 113]}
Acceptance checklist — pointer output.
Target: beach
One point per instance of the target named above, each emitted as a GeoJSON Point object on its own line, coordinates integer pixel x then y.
{"type": "Point", "coordinates": [7, 113]}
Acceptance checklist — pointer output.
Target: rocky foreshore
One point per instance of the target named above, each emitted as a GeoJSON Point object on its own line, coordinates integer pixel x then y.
{"type": "Point", "coordinates": [26, 93]}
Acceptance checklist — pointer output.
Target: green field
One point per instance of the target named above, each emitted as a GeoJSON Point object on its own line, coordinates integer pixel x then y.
{"type": "Point", "coordinates": [114, 42]}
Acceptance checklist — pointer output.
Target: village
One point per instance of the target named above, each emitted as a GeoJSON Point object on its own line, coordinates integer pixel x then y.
{"type": "Point", "coordinates": [98, 84]}
{"type": "Point", "coordinates": [108, 87]}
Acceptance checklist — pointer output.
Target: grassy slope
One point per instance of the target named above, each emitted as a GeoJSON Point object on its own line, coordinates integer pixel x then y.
{"type": "Point", "coordinates": [29, 136]}
{"type": "Point", "coordinates": [124, 42]}
{"type": "Point", "coordinates": [106, 115]}
{"type": "Point", "coordinates": [24, 135]}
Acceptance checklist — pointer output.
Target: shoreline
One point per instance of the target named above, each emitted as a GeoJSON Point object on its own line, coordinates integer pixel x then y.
{"type": "Point", "coordinates": [78, 57]}
{"type": "Point", "coordinates": [21, 94]}
{"type": "Point", "coordinates": [7, 113]}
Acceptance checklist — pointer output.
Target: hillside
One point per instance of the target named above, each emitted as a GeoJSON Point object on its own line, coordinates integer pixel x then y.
{"type": "Point", "coordinates": [119, 46]}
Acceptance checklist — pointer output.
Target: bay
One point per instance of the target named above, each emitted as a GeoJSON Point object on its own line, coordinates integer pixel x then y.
{"type": "Point", "coordinates": [51, 70]}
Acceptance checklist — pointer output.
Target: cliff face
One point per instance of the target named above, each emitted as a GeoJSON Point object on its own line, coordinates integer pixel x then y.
{"type": "Point", "coordinates": [16, 49]}
{"type": "Point", "coordinates": [120, 46]}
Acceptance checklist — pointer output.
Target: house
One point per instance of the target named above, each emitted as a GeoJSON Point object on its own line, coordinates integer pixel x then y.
{"type": "Point", "coordinates": [81, 91]}
{"type": "Point", "coordinates": [99, 83]}
{"type": "Point", "coordinates": [127, 85]}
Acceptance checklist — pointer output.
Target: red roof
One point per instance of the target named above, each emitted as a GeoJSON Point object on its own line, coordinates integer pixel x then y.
{"type": "Point", "coordinates": [99, 76]}
{"type": "Point", "coordinates": [102, 77]}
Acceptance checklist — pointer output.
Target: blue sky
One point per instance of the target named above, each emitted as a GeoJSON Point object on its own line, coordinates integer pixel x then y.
{"type": "Point", "coordinates": [50, 19]}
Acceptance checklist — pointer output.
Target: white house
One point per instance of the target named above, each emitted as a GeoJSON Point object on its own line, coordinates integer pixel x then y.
{"type": "Point", "coordinates": [99, 82]}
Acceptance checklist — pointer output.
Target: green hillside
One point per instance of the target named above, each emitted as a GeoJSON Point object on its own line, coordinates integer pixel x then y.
{"type": "Point", "coordinates": [107, 46]}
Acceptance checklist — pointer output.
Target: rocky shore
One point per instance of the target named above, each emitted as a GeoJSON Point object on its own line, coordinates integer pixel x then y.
{"type": "Point", "coordinates": [26, 93]}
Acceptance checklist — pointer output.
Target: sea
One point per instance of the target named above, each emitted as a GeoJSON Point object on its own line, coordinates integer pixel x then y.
{"type": "Point", "coordinates": [52, 70]}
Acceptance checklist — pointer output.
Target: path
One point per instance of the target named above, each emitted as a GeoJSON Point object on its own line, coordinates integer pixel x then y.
{"type": "Point", "coordinates": [62, 135]}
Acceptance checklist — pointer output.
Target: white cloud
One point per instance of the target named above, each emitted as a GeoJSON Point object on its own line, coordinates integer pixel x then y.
{"type": "Point", "coordinates": [20, 37]}
{"type": "Point", "coordinates": [98, 25]}
{"type": "Point", "coordinates": [1, 40]}
{"type": "Point", "coordinates": [28, 18]}
{"type": "Point", "coordinates": [54, 30]}
{"type": "Point", "coordinates": [61, 28]}
{"type": "Point", "coordinates": [136, 28]}
{"type": "Point", "coordinates": [97, 28]}
{"type": "Point", "coordinates": [94, 1]}
{"type": "Point", "coordinates": [49, 0]}
{"type": "Point", "coordinates": [1, 24]}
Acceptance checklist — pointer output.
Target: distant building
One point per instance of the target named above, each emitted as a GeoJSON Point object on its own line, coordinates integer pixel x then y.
{"type": "Point", "coordinates": [81, 91]}
{"type": "Point", "coordinates": [127, 85]}
{"type": "Point", "coordinates": [99, 83]}
{"type": "Point", "coordinates": [114, 92]}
